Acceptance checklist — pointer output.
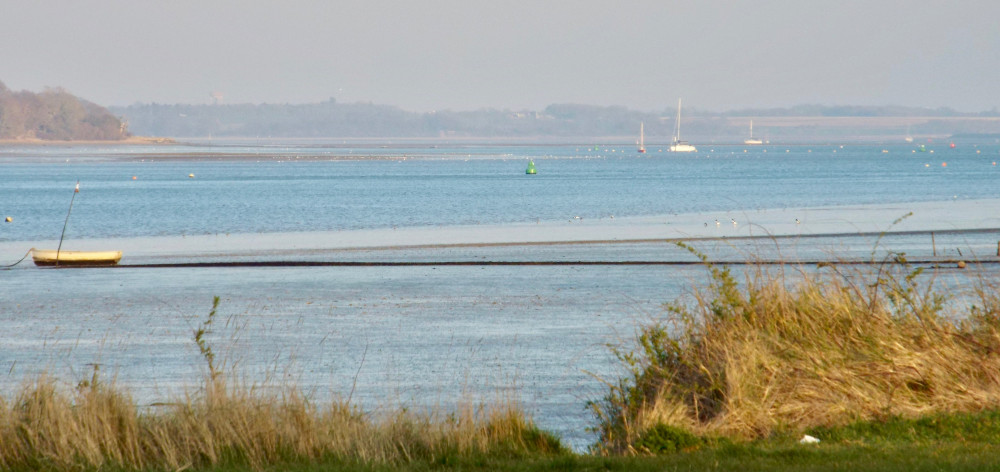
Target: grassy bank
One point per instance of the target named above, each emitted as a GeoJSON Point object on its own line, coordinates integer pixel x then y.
{"type": "Point", "coordinates": [781, 353]}
{"type": "Point", "coordinates": [947, 442]}
{"type": "Point", "coordinates": [875, 363]}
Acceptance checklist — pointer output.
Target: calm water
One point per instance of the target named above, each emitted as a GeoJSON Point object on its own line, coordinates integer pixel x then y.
{"type": "Point", "coordinates": [427, 336]}
{"type": "Point", "coordinates": [250, 192]}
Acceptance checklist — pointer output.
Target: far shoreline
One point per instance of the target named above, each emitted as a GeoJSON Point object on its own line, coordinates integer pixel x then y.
{"type": "Point", "coordinates": [131, 140]}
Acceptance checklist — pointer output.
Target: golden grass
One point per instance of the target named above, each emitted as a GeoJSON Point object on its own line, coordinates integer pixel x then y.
{"type": "Point", "coordinates": [816, 348]}
{"type": "Point", "coordinates": [96, 426]}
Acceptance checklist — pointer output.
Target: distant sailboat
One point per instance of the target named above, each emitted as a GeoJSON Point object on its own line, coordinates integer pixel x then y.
{"type": "Point", "coordinates": [679, 145]}
{"type": "Point", "coordinates": [908, 138]}
{"type": "Point", "coordinates": [642, 143]}
{"type": "Point", "coordinates": [751, 139]}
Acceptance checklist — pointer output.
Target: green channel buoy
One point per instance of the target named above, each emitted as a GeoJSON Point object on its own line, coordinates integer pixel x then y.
{"type": "Point", "coordinates": [531, 168]}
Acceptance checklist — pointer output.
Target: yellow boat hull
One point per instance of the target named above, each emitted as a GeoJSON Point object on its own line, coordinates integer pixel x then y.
{"type": "Point", "coordinates": [48, 257]}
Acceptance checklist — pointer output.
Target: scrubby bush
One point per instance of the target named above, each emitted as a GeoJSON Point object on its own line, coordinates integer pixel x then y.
{"type": "Point", "coordinates": [801, 349]}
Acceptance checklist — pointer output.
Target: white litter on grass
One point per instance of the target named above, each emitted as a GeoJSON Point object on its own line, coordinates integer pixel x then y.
{"type": "Point", "coordinates": [807, 439]}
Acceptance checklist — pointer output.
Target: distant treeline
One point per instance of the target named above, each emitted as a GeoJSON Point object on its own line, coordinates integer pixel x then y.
{"type": "Point", "coordinates": [333, 119]}
{"type": "Point", "coordinates": [55, 114]}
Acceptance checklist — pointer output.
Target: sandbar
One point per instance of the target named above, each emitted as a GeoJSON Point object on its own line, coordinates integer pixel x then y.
{"type": "Point", "coordinates": [956, 216]}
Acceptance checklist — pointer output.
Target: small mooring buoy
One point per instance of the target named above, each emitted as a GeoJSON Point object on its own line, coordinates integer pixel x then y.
{"type": "Point", "coordinates": [8, 219]}
{"type": "Point", "coordinates": [961, 264]}
{"type": "Point", "coordinates": [134, 177]}
{"type": "Point", "coordinates": [531, 168]}
{"type": "Point", "coordinates": [190, 176]}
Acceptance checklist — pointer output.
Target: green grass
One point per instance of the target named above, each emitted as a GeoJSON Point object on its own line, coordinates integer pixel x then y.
{"type": "Point", "coordinates": [943, 442]}
{"type": "Point", "coordinates": [977, 427]}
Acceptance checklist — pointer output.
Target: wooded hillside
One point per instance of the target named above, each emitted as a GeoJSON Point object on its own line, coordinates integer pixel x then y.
{"type": "Point", "coordinates": [367, 120]}
{"type": "Point", "coordinates": [55, 114]}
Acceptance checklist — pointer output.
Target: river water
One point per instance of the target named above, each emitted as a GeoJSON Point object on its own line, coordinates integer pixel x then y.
{"type": "Point", "coordinates": [434, 335]}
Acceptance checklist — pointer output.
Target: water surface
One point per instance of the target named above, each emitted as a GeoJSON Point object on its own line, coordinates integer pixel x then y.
{"type": "Point", "coordinates": [431, 336]}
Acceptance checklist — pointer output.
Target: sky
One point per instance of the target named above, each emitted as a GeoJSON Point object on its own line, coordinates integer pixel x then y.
{"type": "Point", "coordinates": [509, 54]}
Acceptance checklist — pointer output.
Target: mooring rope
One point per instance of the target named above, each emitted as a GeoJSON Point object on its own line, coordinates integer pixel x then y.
{"type": "Point", "coordinates": [8, 267]}
{"type": "Point", "coordinates": [485, 263]}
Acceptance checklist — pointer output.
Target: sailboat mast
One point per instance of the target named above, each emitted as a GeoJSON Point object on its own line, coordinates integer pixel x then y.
{"type": "Point", "coordinates": [677, 133]}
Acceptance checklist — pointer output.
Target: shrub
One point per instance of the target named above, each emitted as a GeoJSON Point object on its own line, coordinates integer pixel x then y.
{"type": "Point", "coordinates": [788, 352]}
{"type": "Point", "coordinates": [665, 439]}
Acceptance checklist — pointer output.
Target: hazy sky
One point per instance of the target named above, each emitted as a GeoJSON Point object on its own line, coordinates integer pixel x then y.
{"type": "Point", "coordinates": [470, 54]}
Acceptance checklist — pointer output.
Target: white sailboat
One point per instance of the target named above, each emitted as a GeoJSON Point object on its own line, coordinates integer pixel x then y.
{"type": "Point", "coordinates": [751, 139]}
{"type": "Point", "coordinates": [641, 143]}
{"type": "Point", "coordinates": [679, 145]}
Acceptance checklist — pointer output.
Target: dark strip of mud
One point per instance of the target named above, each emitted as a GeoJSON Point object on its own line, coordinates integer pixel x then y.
{"type": "Point", "coordinates": [934, 262]}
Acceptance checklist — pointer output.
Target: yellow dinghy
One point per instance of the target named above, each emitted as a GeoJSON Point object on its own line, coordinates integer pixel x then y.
{"type": "Point", "coordinates": [49, 257]}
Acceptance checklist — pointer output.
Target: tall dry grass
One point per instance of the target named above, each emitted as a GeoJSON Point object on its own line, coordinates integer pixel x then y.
{"type": "Point", "coordinates": [97, 426]}
{"type": "Point", "coordinates": [785, 352]}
